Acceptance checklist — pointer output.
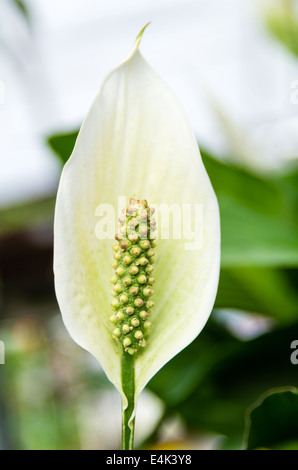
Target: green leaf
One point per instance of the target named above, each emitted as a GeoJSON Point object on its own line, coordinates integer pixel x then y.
{"type": "Point", "coordinates": [258, 216]}
{"type": "Point", "coordinates": [63, 144]}
{"type": "Point", "coordinates": [260, 290]}
{"type": "Point", "coordinates": [272, 422]}
{"type": "Point", "coordinates": [183, 374]}
{"type": "Point", "coordinates": [27, 215]}
{"type": "Point", "coordinates": [214, 381]}
{"type": "Point", "coordinates": [282, 22]}
{"type": "Point", "coordinates": [253, 238]}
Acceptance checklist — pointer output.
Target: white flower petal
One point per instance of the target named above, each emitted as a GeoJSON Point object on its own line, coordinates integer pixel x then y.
{"type": "Point", "coordinates": [134, 142]}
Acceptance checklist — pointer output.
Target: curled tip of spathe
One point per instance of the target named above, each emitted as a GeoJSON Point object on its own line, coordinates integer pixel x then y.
{"type": "Point", "coordinates": [140, 35]}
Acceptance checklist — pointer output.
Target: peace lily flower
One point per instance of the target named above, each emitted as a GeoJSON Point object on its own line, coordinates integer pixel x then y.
{"type": "Point", "coordinates": [135, 142]}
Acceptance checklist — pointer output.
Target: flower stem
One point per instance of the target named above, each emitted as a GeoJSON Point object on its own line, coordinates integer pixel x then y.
{"type": "Point", "coordinates": [128, 386]}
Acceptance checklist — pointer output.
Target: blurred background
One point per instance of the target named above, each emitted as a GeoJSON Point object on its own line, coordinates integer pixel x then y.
{"type": "Point", "coordinates": [234, 67]}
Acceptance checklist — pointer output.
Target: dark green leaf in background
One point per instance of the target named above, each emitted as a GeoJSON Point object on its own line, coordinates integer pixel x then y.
{"type": "Point", "coordinates": [273, 421]}
{"type": "Point", "coordinates": [63, 144]}
{"type": "Point", "coordinates": [259, 217]}
{"type": "Point", "coordinates": [264, 290]}
{"type": "Point", "coordinates": [213, 381]}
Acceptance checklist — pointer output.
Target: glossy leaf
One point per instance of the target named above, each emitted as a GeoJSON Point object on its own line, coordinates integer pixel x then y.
{"type": "Point", "coordinates": [272, 421]}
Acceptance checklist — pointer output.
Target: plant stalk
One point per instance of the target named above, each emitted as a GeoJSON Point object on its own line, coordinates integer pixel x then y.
{"type": "Point", "coordinates": [128, 386]}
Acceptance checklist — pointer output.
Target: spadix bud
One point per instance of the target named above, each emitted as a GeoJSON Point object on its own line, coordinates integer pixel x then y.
{"type": "Point", "coordinates": [129, 290]}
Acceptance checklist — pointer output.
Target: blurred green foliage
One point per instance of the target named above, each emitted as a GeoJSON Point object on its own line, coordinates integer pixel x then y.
{"type": "Point", "coordinates": [22, 7]}
{"type": "Point", "coordinates": [273, 421]}
{"type": "Point", "coordinates": [27, 215]}
{"type": "Point", "coordinates": [62, 145]}
{"type": "Point", "coordinates": [282, 21]}
{"type": "Point", "coordinates": [213, 381]}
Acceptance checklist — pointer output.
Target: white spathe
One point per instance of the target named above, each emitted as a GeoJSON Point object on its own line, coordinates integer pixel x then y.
{"type": "Point", "coordinates": [134, 142]}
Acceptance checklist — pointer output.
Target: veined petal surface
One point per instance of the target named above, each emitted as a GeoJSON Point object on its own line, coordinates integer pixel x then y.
{"type": "Point", "coordinates": [134, 142]}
